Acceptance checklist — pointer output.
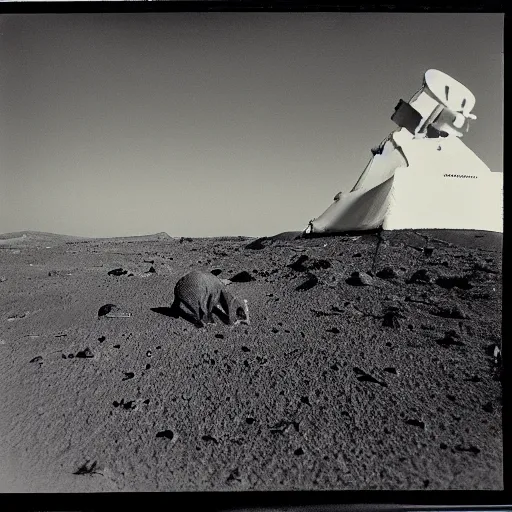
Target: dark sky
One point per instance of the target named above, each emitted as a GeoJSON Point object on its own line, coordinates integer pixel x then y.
{"type": "Point", "coordinates": [202, 124]}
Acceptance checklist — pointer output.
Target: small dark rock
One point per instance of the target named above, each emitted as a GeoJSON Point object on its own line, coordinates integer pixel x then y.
{"type": "Point", "coordinates": [242, 277]}
{"type": "Point", "coordinates": [216, 271]}
{"type": "Point", "coordinates": [117, 346]}
{"type": "Point", "coordinates": [168, 434]}
{"type": "Point", "coordinates": [71, 356]}
{"type": "Point", "coordinates": [357, 255]}
{"type": "Point", "coordinates": [450, 338]}
{"type": "Point", "coordinates": [37, 359]}
{"type": "Point", "coordinates": [415, 423]}
{"type": "Point", "coordinates": [85, 353]}
{"type": "Point", "coordinates": [209, 439]}
{"type": "Point", "coordinates": [421, 276]}
{"type": "Point", "coordinates": [234, 476]}
{"type": "Point", "coordinates": [299, 451]}
{"type": "Point", "coordinates": [391, 319]}
{"type": "Point", "coordinates": [391, 370]}
{"type": "Point", "coordinates": [308, 284]}
{"type": "Point", "coordinates": [471, 448]}
{"type": "Point", "coordinates": [454, 311]}
{"type": "Point", "coordinates": [360, 279]}
{"type": "Point", "coordinates": [246, 349]}
{"type": "Point", "coordinates": [488, 407]}
{"type": "Point", "coordinates": [86, 469]}
{"type": "Point", "coordinates": [454, 281]}
{"type": "Point", "coordinates": [249, 421]}
{"type": "Point", "coordinates": [151, 270]}
{"type": "Point", "coordinates": [334, 330]}
{"type": "Point", "coordinates": [101, 339]}
{"type": "Point", "coordinates": [128, 375]}
{"type": "Point", "coordinates": [387, 273]}
{"type": "Point", "coordinates": [117, 272]}
{"type": "Point", "coordinates": [107, 308]}
{"type": "Point", "coordinates": [428, 251]}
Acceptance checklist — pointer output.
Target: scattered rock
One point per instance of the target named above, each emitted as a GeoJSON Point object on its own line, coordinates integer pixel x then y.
{"type": "Point", "coordinates": [421, 276]}
{"type": "Point", "coordinates": [415, 423]}
{"type": "Point", "coordinates": [85, 353]}
{"type": "Point", "coordinates": [391, 319]}
{"type": "Point", "coordinates": [299, 265]}
{"type": "Point", "coordinates": [209, 439]}
{"type": "Point", "coordinates": [168, 434]}
{"type": "Point", "coordinates": [454, 311]}
{"type": "Point", "coordinates": [387, 273]}
{"type": "Point", "coordinates": [428, 251]}
{"type": "Point", "coordinates": [87, 469]}
{"type": "Point", "coordinates": [482, 267]}
{"type": "Point", "coordinates": [471, 448]}
{"type": "Point", "coordinates": [117, 272]}
{"type": "Point", "coordinates": [362, 376]}
{"type": "Point", "coordinates": [283, 426]}
{"type": "Point", "coordinates": [308, 284]}
{"type": "Point", "coordinates": [488, 407]}
{"type": "Point", "coordinates": [234, 476]}
{"type": "Point", "coordinates": [360, 279]}
{"type": "Point", "coordinates": [242, 277]}
{"type": "Point", "coordinates": [454, 282]}
{"type": "Point", "coordinates": [450, 338]}
{"type": "Point", "coordinates": [112, 311]}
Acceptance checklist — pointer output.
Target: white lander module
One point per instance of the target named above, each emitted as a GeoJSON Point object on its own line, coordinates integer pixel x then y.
{"type": "Point", "coordinates": [422, 176]}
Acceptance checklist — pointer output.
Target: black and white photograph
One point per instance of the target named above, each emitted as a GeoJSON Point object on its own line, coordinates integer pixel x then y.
{"type": "Point", "coordinates": [251, 251]}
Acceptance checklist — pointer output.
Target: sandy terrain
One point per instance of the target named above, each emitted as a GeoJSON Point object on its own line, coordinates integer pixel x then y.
{"type": "Point", "coordinates": [340, 381]}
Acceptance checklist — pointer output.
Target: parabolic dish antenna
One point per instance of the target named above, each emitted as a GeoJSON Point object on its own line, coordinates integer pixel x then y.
{"type": "Point", "coordinates": [450, 92]}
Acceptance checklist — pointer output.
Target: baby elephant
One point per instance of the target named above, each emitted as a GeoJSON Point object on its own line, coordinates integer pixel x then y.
{"type": "Point", "coordinates": [200, 292]}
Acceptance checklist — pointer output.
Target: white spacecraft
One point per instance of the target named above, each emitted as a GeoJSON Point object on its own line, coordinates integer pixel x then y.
{"type": "Point", "coordinates": [422, 176]}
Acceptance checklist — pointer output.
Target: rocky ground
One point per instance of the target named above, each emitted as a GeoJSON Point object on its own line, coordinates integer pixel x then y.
{"type": "Point", "coordinates": [371, 362]}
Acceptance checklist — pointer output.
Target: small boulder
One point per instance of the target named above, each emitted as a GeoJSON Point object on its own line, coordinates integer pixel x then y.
{"type": "Point", "coordinates": [85, 353]}
{"type": "Point", "coordinates": [242, 277]}
{"type": "Point", "coordinates": [360, 279]}
{"type": "Point", "coordinates": [387, 273]}
{"type": "Point", "coordinates": [117, 272]}
{"type": "Point", "coordinates": [421, 276]}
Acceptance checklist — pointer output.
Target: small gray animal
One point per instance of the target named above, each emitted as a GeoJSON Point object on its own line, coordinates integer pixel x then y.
{"type": "Point", "coordinates": [200, 292]}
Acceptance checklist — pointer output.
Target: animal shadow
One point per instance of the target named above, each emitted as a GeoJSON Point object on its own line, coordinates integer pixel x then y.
{"type": "Point", "coordinates": [179, 313]}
